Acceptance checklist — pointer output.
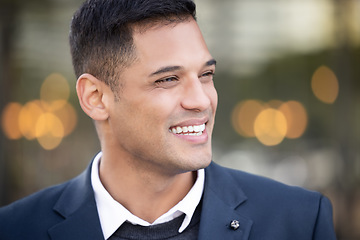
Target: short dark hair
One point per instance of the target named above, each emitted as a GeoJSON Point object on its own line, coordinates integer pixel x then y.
{"type": "Point", "coordinates": [101, 40]}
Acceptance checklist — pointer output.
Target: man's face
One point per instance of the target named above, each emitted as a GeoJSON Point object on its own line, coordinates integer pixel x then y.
{"type": "Point", "coordinates": [164, 117]}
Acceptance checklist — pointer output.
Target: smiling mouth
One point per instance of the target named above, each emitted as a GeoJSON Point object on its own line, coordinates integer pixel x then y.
{"type": "Point", "coordinates": [195, 130]}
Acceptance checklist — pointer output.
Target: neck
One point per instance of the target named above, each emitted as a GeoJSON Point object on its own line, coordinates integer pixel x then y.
{"type": "Point", "coordinates": [146, 194]}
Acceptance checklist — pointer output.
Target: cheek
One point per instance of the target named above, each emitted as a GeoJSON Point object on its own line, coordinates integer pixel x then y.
{"type": "Point", "coordinates": [163, 103]}
{"type": "Point", "coordinates": [152, 114]}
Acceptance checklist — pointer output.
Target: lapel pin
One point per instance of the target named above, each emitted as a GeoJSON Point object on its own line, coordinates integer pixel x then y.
{"type": "Point", "coordinates": [234, 224]}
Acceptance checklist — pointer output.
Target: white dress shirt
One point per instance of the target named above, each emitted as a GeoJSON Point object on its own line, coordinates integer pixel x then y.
{"type": "Point", "coordinates": [112, 214]}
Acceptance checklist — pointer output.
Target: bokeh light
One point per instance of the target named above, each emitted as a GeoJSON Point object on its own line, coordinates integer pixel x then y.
{"type": "Point", "coordinates": [325, 85]}
{"type": "Point", "coordinates": [244, 115]}
{"type": "Point", "coordinates": [49, 131]}
{"type": "Point", "coordinates": [270, 122]}
{"type": "Point", "coordinates": [66, 113]}
{"type": "Point", "coordinates": [48, 119]}
{"type": "Point", "coordinates": [9, 121]}
{"type": "Point", "coordinates": [270, 127]}
{"type": "Point", "coordinates": [28, 117]}
{"type": "Point", "coordinates": [296, 118]}
{"type": "Point", "coordinates": [54, 87]}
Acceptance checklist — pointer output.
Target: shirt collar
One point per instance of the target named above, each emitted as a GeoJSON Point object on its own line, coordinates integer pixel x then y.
{"type": "Point", "coordinates": [112, 214]}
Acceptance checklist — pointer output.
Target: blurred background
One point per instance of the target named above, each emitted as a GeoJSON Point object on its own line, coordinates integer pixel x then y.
{"type": "Point", "coordinates": [288, 79]}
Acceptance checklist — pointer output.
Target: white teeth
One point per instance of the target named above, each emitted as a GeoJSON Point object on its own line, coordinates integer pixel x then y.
{"type": "Point", "coordinates": [195, 130]}
{"type": "Point", "coordinates": [190, 128]}
{"type": "Point", "coordinates": [179, 130]}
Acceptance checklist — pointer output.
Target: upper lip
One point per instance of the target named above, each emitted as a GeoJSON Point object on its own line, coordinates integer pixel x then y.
{"type": "Point", "coordinates": [192, 122]}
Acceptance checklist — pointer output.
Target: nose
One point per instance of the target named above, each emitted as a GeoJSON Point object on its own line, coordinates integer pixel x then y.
{"type": "Point", "coordinates": [196, 95]}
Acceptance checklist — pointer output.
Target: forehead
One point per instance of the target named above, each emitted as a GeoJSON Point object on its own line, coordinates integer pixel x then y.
{"type": "Point", "coordinates": [171, 42]}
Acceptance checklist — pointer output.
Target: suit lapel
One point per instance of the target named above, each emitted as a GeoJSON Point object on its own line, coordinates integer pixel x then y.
{"type": "Point", "coordinates": [221, 199]}
{"type": "Point", "coordinates": [78, 208]}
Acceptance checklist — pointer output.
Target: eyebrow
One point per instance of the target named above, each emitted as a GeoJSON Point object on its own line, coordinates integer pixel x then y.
{"type": "Point", "coordinates": [165, 69]}
{"type": "Point", "coordinates": [210, 63]}
{"type": "Point", "coordinates": [175, 68]}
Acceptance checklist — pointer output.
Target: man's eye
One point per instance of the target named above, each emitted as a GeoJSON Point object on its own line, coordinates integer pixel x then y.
{"type": "Point", "coordinates": [167, 81]}
{"type": "Point", "coordinates": [208, 74]}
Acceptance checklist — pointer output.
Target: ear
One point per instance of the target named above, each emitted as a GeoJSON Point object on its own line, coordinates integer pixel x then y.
{"type": "Point", "coordinates": [90, 91]}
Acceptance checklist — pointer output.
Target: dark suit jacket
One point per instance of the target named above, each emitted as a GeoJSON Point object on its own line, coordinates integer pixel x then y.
{"type": "Point", "coordinates": [264, 208]}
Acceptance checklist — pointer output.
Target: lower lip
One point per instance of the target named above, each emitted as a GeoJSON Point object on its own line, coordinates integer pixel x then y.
{"type": "Point", "coordinates": [203, 138]}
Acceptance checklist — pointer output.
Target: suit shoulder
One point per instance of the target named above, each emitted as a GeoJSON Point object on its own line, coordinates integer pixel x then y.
{"type": "Point", "coordinates": [34, 214]}
{"type": "Point", "coordinates": [42, 198]}
{"type": "Point", "coordinates": [260, 187]}
{"type": "Point", "coordinates": [268, 200]}
{"type": "Point", "coordinates": [37, 207]}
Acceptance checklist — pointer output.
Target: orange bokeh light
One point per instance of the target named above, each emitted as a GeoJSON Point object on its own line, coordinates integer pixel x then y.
{"type": "Point", "coordinates": [9, 121]}
{"type": "Point", "coordinates": [244, 115]}
{"type": "Point", "coordinates": [48, 120]}
{"type": "Point", "coordinates": [66, 114]}
{"type": "Point", "coordinates": [270, 127]}
{"type": "Point", "coordinates": [28, 117]}
{"type": "Point", "coordinates": [270, 122]}
{"type": "Point", "coordinates": [54, 87]}
{"type": "Point", "coordinates": [296, 117]}
{"type": "Point", "coordinates": [49, 131]}
{"type": "Point", "coordinates": [325, 85]}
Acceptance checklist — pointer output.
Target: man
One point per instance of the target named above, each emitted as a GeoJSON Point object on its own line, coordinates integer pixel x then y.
{"type": "Point", "coordinates": [145, 76]}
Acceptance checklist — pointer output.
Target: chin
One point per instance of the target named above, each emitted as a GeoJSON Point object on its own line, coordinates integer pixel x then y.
{"type": "Point", "coordinates": [199, 163]}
